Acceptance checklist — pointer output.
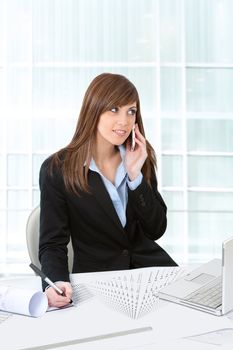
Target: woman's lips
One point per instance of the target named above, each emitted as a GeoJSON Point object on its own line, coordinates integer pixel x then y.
{"type": "Point", "coordinates": [119, 132]}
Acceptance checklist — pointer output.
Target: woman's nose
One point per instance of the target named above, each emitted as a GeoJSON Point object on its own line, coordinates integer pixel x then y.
{"type": "Point", "coordinates": [122, 120]}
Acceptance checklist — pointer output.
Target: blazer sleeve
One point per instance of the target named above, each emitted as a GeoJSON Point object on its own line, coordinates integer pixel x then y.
{"type": "Point", "coordinates": [54, 225]}
{"type": "Point", "coordinates": [149, 209]}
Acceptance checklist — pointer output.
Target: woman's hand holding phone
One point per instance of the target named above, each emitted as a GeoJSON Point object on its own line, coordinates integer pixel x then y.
{"type": "Point", "coordinates": [136, 153]}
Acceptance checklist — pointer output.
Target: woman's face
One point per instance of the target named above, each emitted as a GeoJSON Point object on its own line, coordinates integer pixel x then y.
{"type": "Point", "coordinates": [116, 125]}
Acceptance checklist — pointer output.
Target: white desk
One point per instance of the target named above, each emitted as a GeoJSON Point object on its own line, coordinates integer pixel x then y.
{"type": "Point", "coordinates": [93, 325]}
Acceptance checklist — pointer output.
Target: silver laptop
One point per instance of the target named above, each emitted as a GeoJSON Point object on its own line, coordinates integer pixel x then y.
{"type": "Point", "coordinates": [208, 288]}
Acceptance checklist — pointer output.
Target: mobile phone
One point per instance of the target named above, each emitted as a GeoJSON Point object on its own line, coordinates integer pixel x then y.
{"type": "Point", "coordinates": [133, 139]}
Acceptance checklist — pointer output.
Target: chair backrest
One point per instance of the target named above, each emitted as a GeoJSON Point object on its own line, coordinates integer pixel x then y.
{"type": "Point", "coordinates": [32, 238]}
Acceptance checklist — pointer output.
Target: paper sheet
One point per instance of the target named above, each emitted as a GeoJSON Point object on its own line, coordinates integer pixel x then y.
{"type": "Point", "coordinates": [4, 316]}
{"type": "Point", "coordinates": [132, 292]}
{"type": "Point", "coordinates": [23, 301]}
{"type": "Point", "coordinates": [216, 337]}
{"type": "Point", "coordinates": [230, 315]}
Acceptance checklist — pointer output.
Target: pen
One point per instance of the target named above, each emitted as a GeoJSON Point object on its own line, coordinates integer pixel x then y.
{"type": "Point", "coordinates": [46, 279]}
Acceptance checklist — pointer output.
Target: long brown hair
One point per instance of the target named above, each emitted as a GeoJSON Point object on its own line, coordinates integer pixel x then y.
{"type": "Point", "coordinates": [106, 91]}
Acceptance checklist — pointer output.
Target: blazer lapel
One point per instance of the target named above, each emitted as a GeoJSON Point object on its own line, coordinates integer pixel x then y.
{"type": "Point", "coordinates": [99, 191]}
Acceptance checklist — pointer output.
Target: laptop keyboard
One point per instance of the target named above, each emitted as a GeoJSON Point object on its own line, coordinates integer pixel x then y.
{"type": "Point", "coordinates": [210, 295]}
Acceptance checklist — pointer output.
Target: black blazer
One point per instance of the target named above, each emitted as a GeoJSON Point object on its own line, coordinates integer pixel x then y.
{"type": "Point", "coordinates": [99, 241]}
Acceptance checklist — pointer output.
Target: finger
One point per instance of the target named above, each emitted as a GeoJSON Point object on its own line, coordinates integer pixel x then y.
{"type": "Point", "coordinates": [63, 301]}
{"type": "Point", "coordinates": [140, 143]}
{"type": "Point", "coordinates": [58, 302]}
{"type": "Point", "coordinates": [55, 297]}
{"type": "Point", "coordinates": [139, 135]}
{"type": "Point", "coordinates": [68, 293]}
{"type": "Point", "coordinates": [142, 148]}
{"type": "Point", "coordinates": [65, 287]}
{"type": "Point", "coordinates": [68, 289]}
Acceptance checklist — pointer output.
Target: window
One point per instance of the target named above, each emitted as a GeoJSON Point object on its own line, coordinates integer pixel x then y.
{"type": "Point", "coordinates": [179, 55]}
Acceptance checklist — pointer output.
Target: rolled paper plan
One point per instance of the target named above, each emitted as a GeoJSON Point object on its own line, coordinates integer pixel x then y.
{"type": "Point", "coordinates": [23, 301]}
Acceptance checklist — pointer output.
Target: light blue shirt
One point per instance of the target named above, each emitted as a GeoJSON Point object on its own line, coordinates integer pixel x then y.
{"type": "Point", "coordinates": [118, 191]}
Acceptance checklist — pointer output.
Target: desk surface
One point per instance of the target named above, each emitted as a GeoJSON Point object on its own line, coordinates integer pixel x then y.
{"type": "Point", "coordinates": [94, 325]}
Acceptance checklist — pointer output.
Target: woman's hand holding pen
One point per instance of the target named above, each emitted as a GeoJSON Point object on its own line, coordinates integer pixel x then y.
{"type": "Point", "coordinates": [134, 160]}
{"type": "Point", "coordinates": [56, 300]}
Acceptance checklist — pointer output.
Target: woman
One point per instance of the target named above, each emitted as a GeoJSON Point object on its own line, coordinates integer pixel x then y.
{"type": "Point", "coordinates": [100, 192]}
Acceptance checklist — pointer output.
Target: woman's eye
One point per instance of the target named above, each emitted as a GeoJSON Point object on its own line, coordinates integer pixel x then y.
{"type": "Point", "coordinates": [132, 112]}
{"type": "Point", "coordinates": [114, 109]}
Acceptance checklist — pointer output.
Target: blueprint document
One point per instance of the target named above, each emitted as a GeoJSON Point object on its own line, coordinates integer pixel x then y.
{"type": "Point", "coordinates": [23, 301]}
{"type": "Point", "coordinates": [132, 292]}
